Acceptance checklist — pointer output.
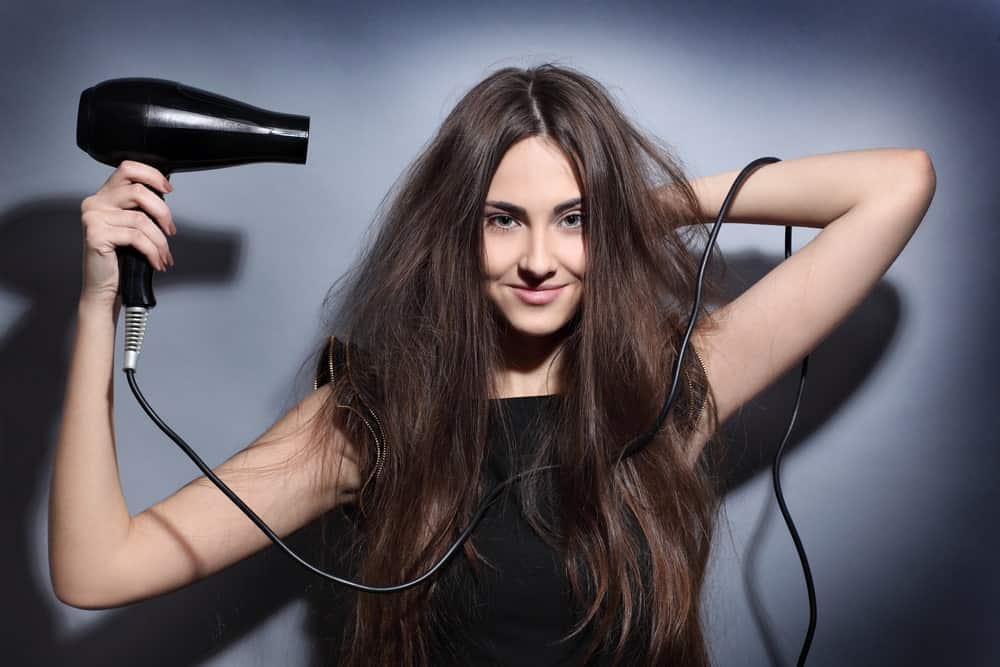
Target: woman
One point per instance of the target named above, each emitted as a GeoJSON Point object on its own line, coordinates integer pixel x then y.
{"type": "Point", "coordinates": [522, 305]}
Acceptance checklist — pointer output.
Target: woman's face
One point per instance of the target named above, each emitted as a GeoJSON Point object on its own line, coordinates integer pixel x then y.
{"type": "Point", "coordinates": [533, 238]}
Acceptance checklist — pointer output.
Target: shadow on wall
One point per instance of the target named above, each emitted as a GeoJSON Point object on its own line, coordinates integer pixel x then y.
{"type": "Point", "coordinates": [838, 367]}
{"type": "Point", "coordinates": [41, 261]}
{"type": "Point", "coordinates": [40, 255]}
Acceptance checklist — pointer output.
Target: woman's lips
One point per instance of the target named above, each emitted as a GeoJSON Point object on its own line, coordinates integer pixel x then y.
{"type": "Point", "coordinates": [537, 297]}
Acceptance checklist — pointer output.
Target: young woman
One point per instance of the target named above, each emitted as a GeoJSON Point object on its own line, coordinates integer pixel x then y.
{"type": "Point", "coordinates": [522, 305]}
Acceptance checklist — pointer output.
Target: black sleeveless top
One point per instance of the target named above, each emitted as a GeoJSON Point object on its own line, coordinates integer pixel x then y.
{"type": "Point", "coordinates": [519, 611]}
{"type": "Point", "coordinates": [522, 608]}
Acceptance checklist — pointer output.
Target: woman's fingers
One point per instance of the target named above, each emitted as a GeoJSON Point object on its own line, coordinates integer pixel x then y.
{"type": "Point", "coordinates": [125, 212]}
{"type": "Point", "coordinates": [127, 205]}
{"type": "Point", "coordinates": [137, 195]}
{"type": "Point", "coordinates": [141, 223]}
{"type": "Point", "coordinates": [135, 184]}
{"type": "Point", "coordinates": [130, 171]}
{"type": "Point", "coordinates": [121, 236]}
{"type": "Point", "coordinates": [107, 228]}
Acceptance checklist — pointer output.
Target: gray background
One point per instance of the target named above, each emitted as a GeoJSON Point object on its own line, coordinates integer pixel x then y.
{"type": "Point", "coordinates": [891, 473]}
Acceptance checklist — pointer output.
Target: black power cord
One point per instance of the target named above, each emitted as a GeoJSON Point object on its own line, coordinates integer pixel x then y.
{"type": "Point", "coordinates": [494, 494]}
{"type": "Point", "coordinates": [776, 480]}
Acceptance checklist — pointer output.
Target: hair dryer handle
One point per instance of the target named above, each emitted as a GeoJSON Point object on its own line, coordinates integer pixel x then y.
{"type": "Point", "coordinates": [135, 274]}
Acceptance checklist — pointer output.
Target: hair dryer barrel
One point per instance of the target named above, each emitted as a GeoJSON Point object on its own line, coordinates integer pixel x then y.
{"type": "Point", "coordinates": [174, 127]}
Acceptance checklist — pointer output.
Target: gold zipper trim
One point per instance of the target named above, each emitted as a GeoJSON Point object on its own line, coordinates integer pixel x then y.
{"type": "Point", "coordinates": [379, 442]}
{"type": "Point", "coordinates": [694, 414]}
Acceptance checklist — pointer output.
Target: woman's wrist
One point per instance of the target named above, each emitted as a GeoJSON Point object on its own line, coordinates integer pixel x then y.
{"type": "Point", "coordinates": [99, 305]}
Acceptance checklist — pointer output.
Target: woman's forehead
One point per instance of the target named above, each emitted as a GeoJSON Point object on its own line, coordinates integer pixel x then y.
{"type": "Point", "coordinates": [534, 174]}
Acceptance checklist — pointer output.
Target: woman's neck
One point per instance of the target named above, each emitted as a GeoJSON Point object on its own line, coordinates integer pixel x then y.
{"type": "Point", "coordinates": [530, 365]}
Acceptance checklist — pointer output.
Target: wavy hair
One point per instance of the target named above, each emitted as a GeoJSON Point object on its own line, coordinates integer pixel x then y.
{"type": "Point", "coordinates": [424, 348]}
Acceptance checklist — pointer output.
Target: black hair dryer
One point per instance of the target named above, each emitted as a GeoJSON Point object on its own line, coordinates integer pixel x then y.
{"type": "Point", "coordinates": [174, 127]}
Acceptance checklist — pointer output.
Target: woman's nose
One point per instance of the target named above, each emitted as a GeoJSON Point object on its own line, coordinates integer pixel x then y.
{"type": "Point", "coordinates": [538, 258]}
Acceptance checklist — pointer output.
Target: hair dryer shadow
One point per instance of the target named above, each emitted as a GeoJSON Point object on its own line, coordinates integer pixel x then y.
{"type": "Point", "coordinates": [40, 254]}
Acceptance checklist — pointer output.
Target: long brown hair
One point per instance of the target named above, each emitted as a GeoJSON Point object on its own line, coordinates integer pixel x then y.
{"type": "Point", "coordinates": [425, 347]}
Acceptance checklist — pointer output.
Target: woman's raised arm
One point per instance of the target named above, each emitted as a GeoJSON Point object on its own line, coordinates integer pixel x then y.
{"type": "Point", "coordinates": [868, 203]}
{"type": "Point", "coordinates": [99, 555]}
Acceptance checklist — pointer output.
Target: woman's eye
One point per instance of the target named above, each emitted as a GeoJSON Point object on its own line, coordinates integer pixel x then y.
{"type": "Point", "coordinates": [505, 222]}
{"type": "Point", "coordinates": [496, 221]}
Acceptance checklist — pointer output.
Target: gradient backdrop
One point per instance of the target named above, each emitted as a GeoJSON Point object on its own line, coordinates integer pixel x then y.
{"type": "Point", "coordinates": [891, 476]}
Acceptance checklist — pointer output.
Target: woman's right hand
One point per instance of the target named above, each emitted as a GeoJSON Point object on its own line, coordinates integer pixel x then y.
{"type": "Point", "coordinates": [109, 223]}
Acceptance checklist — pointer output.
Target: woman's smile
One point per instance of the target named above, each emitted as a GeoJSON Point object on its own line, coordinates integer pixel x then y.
{"type": "Point", "coordinates": [537, 296]}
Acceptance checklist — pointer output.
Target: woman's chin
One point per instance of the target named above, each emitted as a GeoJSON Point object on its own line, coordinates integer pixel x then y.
{"type": "Point", "coordinates": [537, 327]}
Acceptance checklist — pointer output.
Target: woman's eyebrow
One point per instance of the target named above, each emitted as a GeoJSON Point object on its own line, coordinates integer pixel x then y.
{"type": "Point", "coordinates": [519, 212]}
